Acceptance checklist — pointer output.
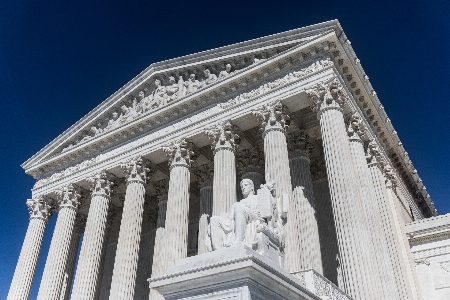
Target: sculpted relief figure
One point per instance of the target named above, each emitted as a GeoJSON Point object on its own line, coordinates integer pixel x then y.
{"type": "Point", "coordinates": [227, 72]}
{"type": "Point", "coordinates": [209, 78]}
{"type": "Point", "coordinates": [253, 221]}
{"type": "Point", "coordinates": [159, 95]}
{"type": "Point", "coordinates": [192, 85]}
{"type": "Point", "coordinates": [172, 90]}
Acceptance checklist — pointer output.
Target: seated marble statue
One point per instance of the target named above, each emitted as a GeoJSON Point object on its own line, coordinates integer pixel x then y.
{"type": "Point", "coordinates": [247, 220]}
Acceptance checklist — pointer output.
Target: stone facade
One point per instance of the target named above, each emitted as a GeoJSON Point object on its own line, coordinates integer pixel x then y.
{"type": "Point", "coordinates": [273, 156]}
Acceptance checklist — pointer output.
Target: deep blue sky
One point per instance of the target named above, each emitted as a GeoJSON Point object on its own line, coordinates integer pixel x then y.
{"type": "Point", "coordinates": [59, 59]}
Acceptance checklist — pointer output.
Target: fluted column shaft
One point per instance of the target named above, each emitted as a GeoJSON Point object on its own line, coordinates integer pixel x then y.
{"type": "Point", "coordinates": [352, 238]}
{"type": "Point", "coordinates": [70, 266]}
{"type": "Point", "coordinates": [177, 216]}
{"type": "Point", "coordinates": [29, 254]}
{"type": "Point", "coordinates": [55, 265]}
{"type": "Point", "coordinates": [88, 270]}
{"type": "Point", "coordinates": [380, 265]}
{"type": "Point", "coordinates": [389, 229]}
{"type": "Point", "coordinates": [224, 143]}
{"type": "Point", "coordinates": [159, 249]}
{"type": "Point", "coordinates": [303, 218]}
{"type": "Point", "coordinates": [224, 186]}
{"type": "Point", "coordinates": [127, 253]}
{"type": "Point", "coordinates": [206, 201]}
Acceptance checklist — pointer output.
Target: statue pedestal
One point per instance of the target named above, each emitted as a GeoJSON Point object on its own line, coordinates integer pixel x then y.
{"type": "Point", "coordinates": [237, 272]}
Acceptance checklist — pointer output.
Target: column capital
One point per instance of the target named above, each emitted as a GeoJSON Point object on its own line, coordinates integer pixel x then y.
{"type": "Point", "coordinates": [136, 170]}
{"type": "Point", "coordinates": [39, 208]}
{"type": "Point", "coordinates": [68, 196]}
{"type": "Point", "coordinates": [299, 145]}
{"type": "Point", "coordinates": [327, 95]}
{"type": "Point", "coordinates": [161, 188]}
{"type": "Point", "coordinates": [273, 117]}
{"type": "Point", "coordinates": [205, 175]}
{"type": "Point", "coordinates": [100, 185]}
{"type": "Point", "coordinates": [356, 128]}
{"type": "Point", "coordinates": [223, 137]}
{"type": "Point", "coordinates": [180, 153]}
{"type": "Point", "coordinates": [250, 160]}
{"type": "Point", "coordinates": [373, 154]}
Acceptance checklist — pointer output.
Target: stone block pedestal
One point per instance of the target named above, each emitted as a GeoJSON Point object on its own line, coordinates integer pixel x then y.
{"type": "Point", "coordinates": [236, 272]}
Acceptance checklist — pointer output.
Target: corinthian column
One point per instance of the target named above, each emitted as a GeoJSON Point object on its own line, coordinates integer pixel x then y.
{"type": "Point", "coordinates": [158, 263]}
{"type": "Point", "coordinates": [88, 269]}
{"type": "Point", "coordinates": [205, 174]}
{"type": "Point", "coordinates": [224, 144]}
{"type": "Point", "coordinates": [127, 253]}
{"type": "Point", "coordinates": [250, 165]}
{"type": "Point", "coordinates": [274, 122]}
{"type": "Point", "coordinates": [352, 238]}
{"type": "Point", "coordinates": [380, 265]}
{"type": "Point", "coordinates": [302, 217]}
{"type": "Point", "coordinates": [55, 265]}
{"type": "Point", "coordinates": [26, 265]}
{"type": "Point", "coordinates": [177, 216]}
{"type": "Point", "coordinates": [392, 232]}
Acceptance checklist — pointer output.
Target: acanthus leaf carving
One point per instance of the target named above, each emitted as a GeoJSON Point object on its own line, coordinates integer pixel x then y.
{"type": "Point", "coordinates": [39, 208]}
{"type": "Point", "coordinates": [205, 174]}
{"type": "Point", "coordinates": [250, 160]}
{"type": "Point", "coordinates": [326, 95]}
{"type": "Point", "coordinates": [136, 170]}
{"type": "Point", "coordinates": [100, 185]}
{"type": "Point", "coordinates": [68, 196]}
{"type": "Point", "coordinates": [223, 136]}
{"type": "Point", "coordinates": [180, 153]}
{"type": "Point", "coordinates": [299, 144]}
{"type": "Point", "coordinates": [356, 128]}
{"type": "Point", "coordinates": [273, 116]}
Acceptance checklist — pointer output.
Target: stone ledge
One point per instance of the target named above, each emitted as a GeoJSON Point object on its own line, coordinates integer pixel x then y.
{"type": "Point", "coordinates": [236, 271]}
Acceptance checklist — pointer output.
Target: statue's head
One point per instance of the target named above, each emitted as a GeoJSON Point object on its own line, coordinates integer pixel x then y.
{"type": "Point", "coordinates": [247, 187]}
{"type": "Point", "coordinates": [228, 68]}
{"type": "Point", "coordinates": [192, 77]}
{"type": "Point", "coordinates": [157, 82]}
{"type": "Point", "coordinates": [172, 79]}
{"type": "Point", "coordinates": [141, 94]}
{"type": "Point", "coordinates": [207, 73]}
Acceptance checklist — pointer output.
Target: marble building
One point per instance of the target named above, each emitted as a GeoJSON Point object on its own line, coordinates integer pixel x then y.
{"type": "Point", "coordinates": [266, 169]}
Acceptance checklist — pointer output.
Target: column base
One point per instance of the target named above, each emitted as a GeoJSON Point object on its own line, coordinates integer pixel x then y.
{"type": "Point", "coordinates": [235, 272]}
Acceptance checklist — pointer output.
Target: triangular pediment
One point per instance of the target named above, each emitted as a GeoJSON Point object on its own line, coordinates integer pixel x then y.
{"type": "Point", "coordinates": [141, 97]}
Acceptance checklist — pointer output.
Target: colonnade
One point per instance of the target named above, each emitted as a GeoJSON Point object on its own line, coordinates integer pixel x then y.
{"type": "Point", "coordinates": [369, 253]}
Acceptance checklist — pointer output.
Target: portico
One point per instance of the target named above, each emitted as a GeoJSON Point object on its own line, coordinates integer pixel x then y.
{"type": "Point", "coordinates": [150, 166]}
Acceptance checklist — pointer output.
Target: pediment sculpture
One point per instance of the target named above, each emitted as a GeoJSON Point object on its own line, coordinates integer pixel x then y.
{"type": "Point", "coordinates": [254, 221]}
